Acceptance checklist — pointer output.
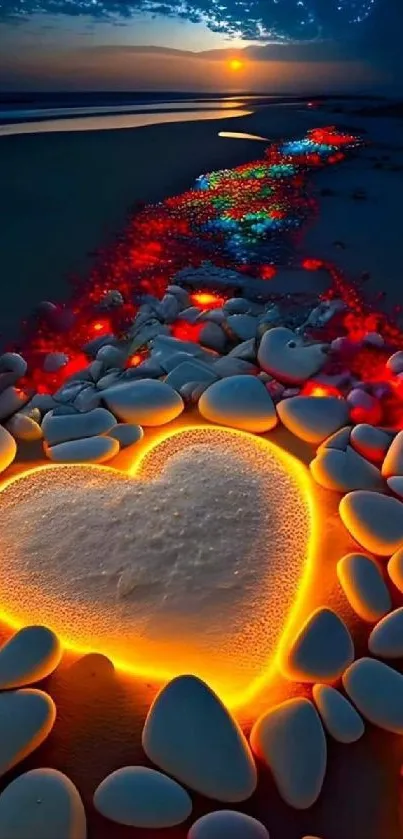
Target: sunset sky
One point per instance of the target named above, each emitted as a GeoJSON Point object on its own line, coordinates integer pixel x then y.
{"type": "Point", "coordinates": [282, 45]}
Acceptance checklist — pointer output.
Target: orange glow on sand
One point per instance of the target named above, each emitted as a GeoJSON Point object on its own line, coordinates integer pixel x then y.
{"type": "Point", "coordinates": [150, 460]}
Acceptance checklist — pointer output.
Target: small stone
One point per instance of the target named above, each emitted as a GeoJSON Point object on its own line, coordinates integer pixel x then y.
{"type": "Point", "coordinates": [231, 366]}
{"type": "Point", "coordinates": [213, 337]}
{"type": "Point", "coordinates": [244, 327]}
{"type": "Point", "coordinates": [26, 719]}
{"type": "Point", "coordinates": [285, 356]}
{"type": "Point", "coordinates": [140, 797]}
{"type": "Point", "coordinates": [146, 402]}
{"type": "Point", "coordinates": [344, 471]}
{"type": "Point", "coordinates": [11, 400]}
{"type": "Point", "coordinates": [386, 638]}
{"type": "Point", "coordinates": [377, 692]}
{"type": "Point", "coordinates": [187, 725]}
{"type": "Point", "coordinates": [169, 308]}
{"type": "Point", "coordinates": [291, 741]}
{"type": "Point", "coordinates": [12, 362]}
{"type": "Point", "coordinates": [23, 427]}
{"type": "Point", "coordinates": [395, 569]}
{"type": "Point", "coordinates": [372, 443]}
{"type": "Point", "coordinates": [321, 651]}
{"type": "Point", "coordinates": [190, 371]}
{"type": "Point", "coordinates": [30, 655]}
{"type": "Point", "coordinates": [126, 434]}
{"type": "Point", "coordinates": [239, 402]}
{"type": "Point", "coordinates": [63, 429]}
{"type": "Point", "coordinates": [395, 484]}
{"type": "Point", "coordinates": [393, 463]}
{"type": "Point", "coordinates": [88, 450]}
{"type": "Point", "coordinates": [227, 824]}
{"type": "Point", "coordinates": [375, 521]}
{"type": "Point", "coordinates": [338, 715]}
{"type": "Point", "coordinates": [246, 351]}
{"type": "Point", "coordinates": [8, 449]}
{"type": "Point", "coordinates": [339, 440]}
{"type": "Point", "coordinates": [88, 400]}
{"type": "Point", "coordinates": [313, 418]}
{"type": "Point", "coordinates": [362, 582]}
{"type": "Point", "coordinates": [42, 804]}
{"type": "Point", "coordinates": [111, 356]}
{"type": "Point", "coordinates": [395, 363]}
{"type": "Point", "coordinates": [54, 361]}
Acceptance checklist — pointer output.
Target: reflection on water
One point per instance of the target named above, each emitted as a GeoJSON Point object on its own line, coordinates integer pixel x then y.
{"type": "Point", "coordinates": [94, 110]}
{"type": "Point", "coordinates": [115, 121]}
{"type": "Point", "coordinates": [239, 135]}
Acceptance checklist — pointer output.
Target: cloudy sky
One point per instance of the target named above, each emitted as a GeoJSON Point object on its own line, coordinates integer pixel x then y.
{"type": "Point", "coordinates": [283, 45]}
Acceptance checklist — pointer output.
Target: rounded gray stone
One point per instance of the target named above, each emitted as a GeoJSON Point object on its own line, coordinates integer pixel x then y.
{"type": "Point", "coordinates": [227, 824]}
{"type": "Point", "coordinates": [42, 804]}
{"type": "Point", "coordinates": [141, 797]}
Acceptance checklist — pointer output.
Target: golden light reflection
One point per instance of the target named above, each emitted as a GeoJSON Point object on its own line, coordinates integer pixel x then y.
{"type": "Point", "coordinates": [235, 64]}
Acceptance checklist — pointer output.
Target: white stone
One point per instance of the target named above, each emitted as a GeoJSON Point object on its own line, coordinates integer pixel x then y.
{"type": "Point", "coordinates": [140, 797]}
{"type": "Point", "coordinates": [286, 357]}
{"type": "Point", "coordinates": [8, 448]}
{"type": "Point", "coordinates": [395, 569]}
{"type": "Point", "coordinates": [362, 582]}
{"type": "Point", "coordinates": [126, 434]}
{"type": "Point", "coordinates": [88, 450]}
{"type": "Point", "coordinates": [147, 402]}
{"type": "Point", "coordinates": [190, 735]}
{"type": "Point", "coordinates": [344, 471]}
{"type": "Point", "coordinates": [339, 717]}
{"type": "Point", "coordinates": [377, 692]}
{"type": "Point", "coordinates": [372, 443]}
{"type": "Point", "coordinates": [386, 638]}
{"type": "Point", "coordinates": [395, 363]}
{"type": "Point", "coordinates": [239, 402]}
{"type": "Point", "coordinates": [62, 429]}
{"type": "Point", "coordinates": [313, 418]}
{"type": "Point", "coordinates": [339, 440]}
{"type": "Point", "coordinates": [375, 521]}
{"type": "Point", "coordinates": [26, 719]}
{"type": "Point", "coordinates": [321, 651]}
{"type": "Point", "coordinates": [29, 656]}
{"type": "Point", "coordinates": [395, 484]}
{"type": "Point", "coordinates": [227, 824]}
{"type": "Point", "coordinates": [23, 427]}
{"type": "Point", "coordinates": [11, 401]}
{"type": "Point", "coordinates": [42, 804]}
{"type": "Point", "coordinates": [243, 326]}
{"type": "Point", "coordinates": [393, 463]}
{"type": "Point", "coordinates": [290, 740]}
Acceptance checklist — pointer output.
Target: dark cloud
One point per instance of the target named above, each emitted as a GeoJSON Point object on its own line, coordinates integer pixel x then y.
{"type": "Point", "coordinates": [257, 20]}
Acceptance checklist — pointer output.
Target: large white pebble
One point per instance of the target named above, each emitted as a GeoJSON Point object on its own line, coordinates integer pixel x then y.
{"type": "Point", "coordinates": [61, 429]}
{"type": "Point", "coordinates": [26, 719]}
{"type": "Point", "coordinates": [386, 638]}
{"type": "Point", "coordinates": [344, 471]}
{"type": "Point", "coordinates": [42, 804]}
{"type": "Point", "coordinates": [190, 735]}
{"type": "Point", "coordinates": [88, 450]}
{"type": "Point", "coordinates": [372, 443]}
{"type": "Point", "coordinates": [8, 449]}
{"type": "Point", "coordinates": [338, 716]}
{"type": "Point", "coordinates": [227, 824]}
{"type": "Point", "coordinates": [377, 692]}
{"type": "Point", "coordinates": [285, 356]}
{"type": "Point", "coordinates": [395, 569]}
{"type": "Point", "coordinates": [321, 651]}
{"type": "Point", "coordinates": [291, 741]}
{"type": "Point", "coordinates": [313, 418]}
{"type": "Point", "coordinates": [393, 463]}
{"type": "Point", "coordinates": [362, 582]}
{"type": "Point", "coordinates": [146, 402]}
{"type": "Point", "coordinates": [30, 655]}
{"type": "Point", "coordinates": [375, 521]}
{"type": "Point", "coordinates": [141, 797]}
{"type": "Point", "coordinates": [239, 402]}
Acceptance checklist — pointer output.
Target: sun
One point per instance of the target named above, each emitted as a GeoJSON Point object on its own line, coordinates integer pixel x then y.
{"type": "Point", "coordinates": [235, 64]}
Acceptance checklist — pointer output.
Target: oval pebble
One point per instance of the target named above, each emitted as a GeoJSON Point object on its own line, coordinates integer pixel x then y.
{"type": "Point", "coordinates": [395, 363]}
{"type": "Point", "coordinates": [126, 434]}
{"type": "Point", "coordinates": [14, 363]}
{"type": "Point", "coordinates": [321, 651]}
{"type": "Point", "coordinates": [88, 450]}
{"type": "Point", "coordinates": [377, 692]}
{"type": "Point", "coordinates": [291, 741]}
{"type": "Point", "coordinates": [395, 484]}
{"type": "Point", "coordinates": [227, 824]}
{"type": "Point", "coordinates": [148, 402]}
{"type": "Point", "coordinates": [393, 463]}
{"type": "Point", "coordinates": [395, 569]}
{"type": "Point", "coordinates": [30, 655]}
{"type": "Point", "coordinates": [23, 427]}
{"type": "Point", "coordinates": [375, 521]}
{"type": "Point", "coordinates": [344, 471]}
{"type": "Point", "coordinates": [339, 717]}
{"type": "Point", "coordinates": [63, 429]}
{"type": "Point", "coordinates": [386, 638]}
{"type": "Point", "coordinates": [42, 804]}
{"type": "Point", "coordinates": [313, 418]}
{"type": "Point", "coordinates": [363, 584]}
{"type": "Point", "coordinates": [285, 356]}
{"type": "Point", "coordinates": [141, 797]}
{"type": "Point", "coordinates": [186, 727]}
{"type": "Point", "coordinates": [26, 719]}
{"type": "Point", "coordinates": [372, 443]}
{"type": "Point", "coordinates": [239, 402]}
{"type": "Point", "coordinates": [8, 448]}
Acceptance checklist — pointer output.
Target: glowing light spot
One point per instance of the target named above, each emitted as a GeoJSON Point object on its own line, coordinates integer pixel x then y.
{"type": "Point", "coordinates": [207, 300]}
{"type": "Point", "coordinates": [101, 327]}
{"type": "Point", "coordinates": [236, 64]}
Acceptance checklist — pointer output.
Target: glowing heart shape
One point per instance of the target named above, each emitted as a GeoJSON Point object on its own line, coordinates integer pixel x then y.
{"type": "Point", "coordinates": [192, 562]}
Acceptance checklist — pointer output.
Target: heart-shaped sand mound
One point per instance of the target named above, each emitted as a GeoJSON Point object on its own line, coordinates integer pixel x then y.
{"type": "Point", "coordinates": [190, 565]}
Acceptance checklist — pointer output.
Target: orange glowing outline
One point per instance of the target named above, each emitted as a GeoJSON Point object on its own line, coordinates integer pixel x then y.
{"type": "Point", "coordinates": [293, 620]}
